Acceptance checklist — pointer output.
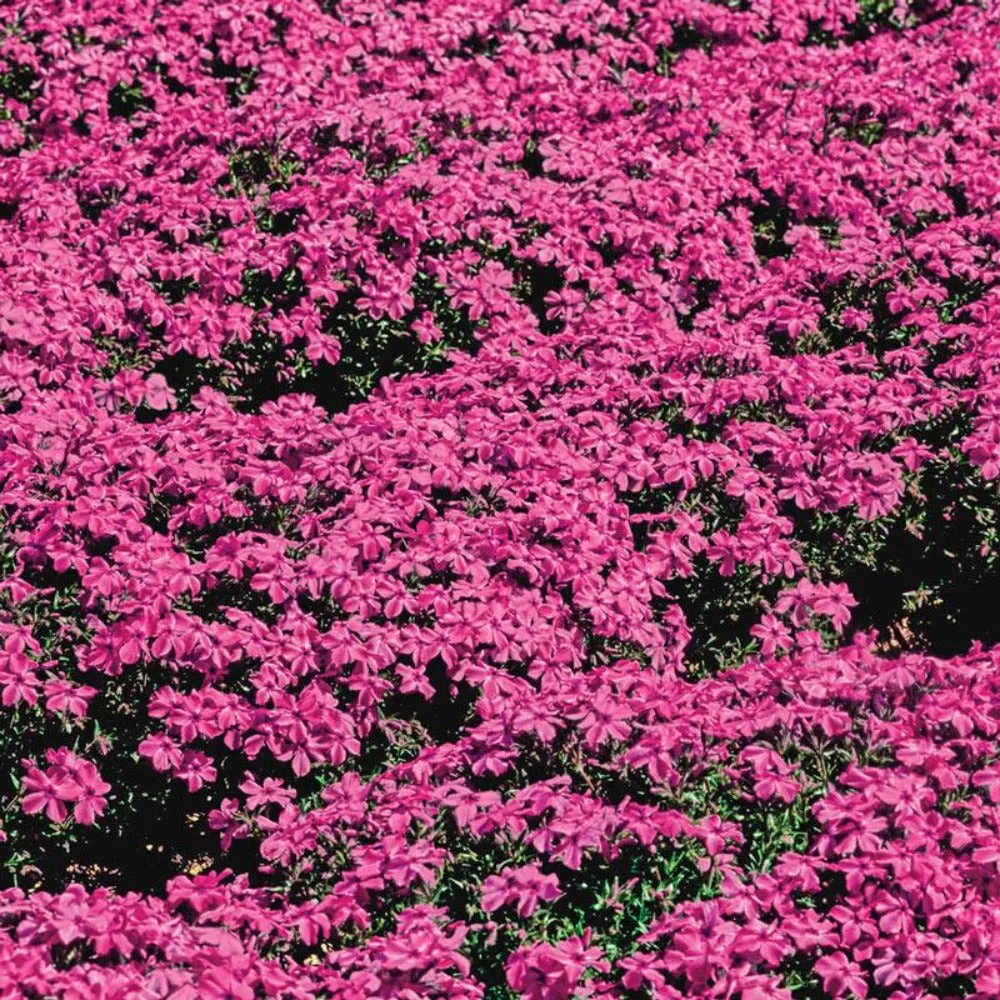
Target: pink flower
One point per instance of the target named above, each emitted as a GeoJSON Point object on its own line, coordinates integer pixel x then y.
{"type": "Point", "coordinates": [69, 778]}
{"type": "Point", "coordinates": [18, 680]}
{"type": "Point", "coordinates": [553, 972]}
{"type": "Point", "coordinates": [773, 635]}
{"type": "Point", "coordinates": [90, 794]}
{"type": "Point", "coordinates": [524, 887]}
{"type": "Point", "coordinates": [603, 719]}
{"type": "Point", "coordinates": [47, 791]}
{"type": "Point", "coordinates": [163, 753]}
{"type": "Point", "coordinates": [61, 695]}
{"type": "Point", "coordinates": [272, 791]}
{"type": "Point", "coordinates": [196, 769]}
{"type": "Point", "coordinates": [839, 975]}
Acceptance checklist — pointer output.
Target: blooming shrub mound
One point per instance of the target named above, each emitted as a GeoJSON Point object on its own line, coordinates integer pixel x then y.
{"type": "Point", "coordinates": [499, 499]}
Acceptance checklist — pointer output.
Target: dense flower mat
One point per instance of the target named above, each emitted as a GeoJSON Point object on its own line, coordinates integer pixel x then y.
{"type": "Point", "coordinates": [499, 499]}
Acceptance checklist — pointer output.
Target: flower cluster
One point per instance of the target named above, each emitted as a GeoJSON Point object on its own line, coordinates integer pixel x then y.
{"type": "Point", "coordinates": [68, 778]}
{"type": "Point", "coordinates": [495, 497]}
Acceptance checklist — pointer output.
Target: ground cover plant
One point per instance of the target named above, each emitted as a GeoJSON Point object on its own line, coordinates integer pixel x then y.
{"type": "Point", "coordinates": [499, 500]}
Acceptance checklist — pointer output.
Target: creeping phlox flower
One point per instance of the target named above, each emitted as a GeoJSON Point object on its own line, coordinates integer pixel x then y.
{"type": "Point", "coordinates": [555, 971]}
{"type": "Point", "coordinates": [68, 780]}
{"type": "Point", "coordinates": [524, 887]}
{"type": "Point", "coordinates": [770, 774]}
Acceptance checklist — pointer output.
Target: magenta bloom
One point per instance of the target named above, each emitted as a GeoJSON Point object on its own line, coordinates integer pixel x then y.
{"type": "Point", "coordinates": [90, 800]}
{"type": "Point", "coordinates": [68, 779]}
{"type": "Point", "coordinates": [48, 791]}
{"type": "Point", "coordinates": [523, 887]}
{"type": "Point", "coordinates": [553, 972]}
